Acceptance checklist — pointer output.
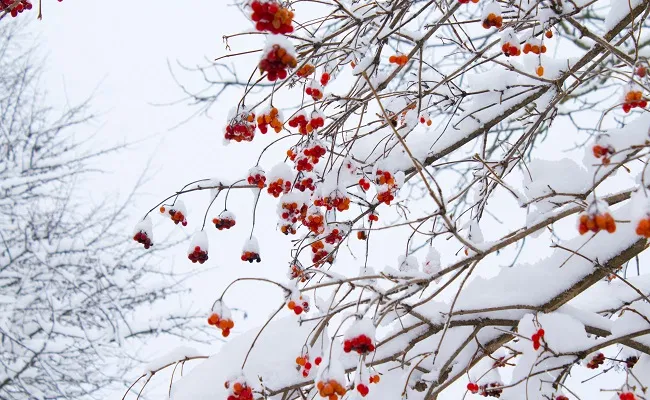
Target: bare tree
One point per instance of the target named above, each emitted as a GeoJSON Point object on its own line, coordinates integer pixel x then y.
{"type": "Point", "coordinates": [73, 293]}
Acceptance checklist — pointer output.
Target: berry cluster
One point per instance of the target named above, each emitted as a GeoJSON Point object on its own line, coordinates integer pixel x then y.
{"type": "Point", "coordinates": [319, 254]}
{"type": "Point", "coordinates": [272, 118]}
{"type": "Point", "coordinates": [596, 222]}
{"type": "Point", "coordinates": [400, 59]}
{"type": "Point", "coordinates": [603, 152]}
{"type": "Point", "coordinates": [334, 236]}
{"type": "Point", "coordinates": [534, 47]}
{"type": "Point", "coordinates": [296, 271]}
{"type": "Point", "coordinates": [373, 217]}
{"type": "Point", "coordinates": [339, 201]}
{"type": "Point", "coordinates": [537, 338]}
{"type": "Point", "coordinates": [250, 256]}
{"type": "Point", "coordinates": [306, 126]}
{"type": "Point", "coordinates": [303, 362]}
{"type": "Point", "coordinates": [276, 62]}
{"type": "Point", "coordinates": [492, 20]}
{"type": "Point", "coordinates": [596, 361]}
{"type": "Point", "coordinates": [314, 221]}
{"type": "Point", "coordinates": [257, 177]}
{"type": "Point", "coordinates": [279, 186]}
{"type": "Point", "coordinates": [143, 238]}
{"type": "Point", "coordinates": [7, 6]}
{"type": "Point", "coordinates": [239, 391]}
{"type": "Point", "coordinates": [332, 389]}
{"type": "Point", "coordinates": [225, 324]}
{"type": "Point", "coordinates": [270, 16]}
{"type": "Point", "coordinates": [634, 99]}
{"type": "Point", "coordinates": [305, 71]}
{"type": "Point", "coordinates": [325, 78]}
{"type": "Point", "coordinates": [627, 396]}
{"type": "Point", "coordinates": [362, 344]}
{"type": "Point", "coordinates": [388, 186]}
{"type": "Point", "coordinates": [510, 49]}
{"type": "Point", "coordinates": [176, 214]}
{"type": "Point", "coordinates": [198, 255]}
{"type": "Point", "coordinates": [425, 119]}
{"type": "Point", "coordinates": [241, 127]}
{"type": "Point", "coordinates": [493, 389]}
{"type": "Point", "coordinates": [631, 361]}
{"type": "Point", "coordinates": [308, 157]}
{"type": "Point", "coordinates": [290, 212]}
{"type": "Point", "coordinates": [305, 183]}
{"type": "Point", "coordinates": [299, 305]}
{"type": "Point", "coordinates": [467, 1]}
{"type": "Point", "coordinates": [226, 220]}
{"type": "Point", "coordinates": [364, 184]}
{"type": "Point", "coordinates": [314, 90]}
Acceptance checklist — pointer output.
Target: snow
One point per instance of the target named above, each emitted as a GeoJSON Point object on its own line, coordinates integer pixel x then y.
{"type": "Point", "coordinates": [272, 359]}
{"type": "Point", "coordinates": [176, 355]}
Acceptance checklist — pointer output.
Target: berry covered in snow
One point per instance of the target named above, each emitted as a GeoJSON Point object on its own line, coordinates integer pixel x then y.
{"type": "Point", "coordinates": [238, 390]}
{"type": "Point", "coordinates": [198, 250]}
{"type": "Point", "coordinates": [331, 389]}
{"type": "Point", "coordinates": [278, 57]}
{"type": "Point", "coordinates": [271, 118]}
{"type": "Point", "coordinates": [387, 185]}
{"type": "Point", "coordinates": [298, 304]}
{"type": "Point", "coordinates": [251, 251]}
{"type": "Point", "coordinates": [225, 220]}
{"type": "Point", "coordinates": [596, 361]}
{"type": "Point", "coordinates": [359, 337]}
{"type": "Point", "coordinates": [176, 213]}
{"type": "Point", "coordinates": [280, 180]}
{"type": "Point", "coordinates": [315, 90]}
{"type": "Point", "coordinates": [256, 177]}
{"type": "Point", "coordinates": [320, 253]}
{"type": "Point", "coordinates": [633, 98]}
{"type": "Point", "coordinates": [307, 125]}
{"type": "Point", "coordinates": [241, 126]}
{"type": "Point", "coordinates": [221, 318]}
{"type": "Point", "coordinates": [595, 222]}
{"type": "Point", "coordinates": [143, 233]}
{"type": "Point", "coordinates": [270, 16]}
{"type": "Point", "coordinates": [335, 200]}
{"type": "Point", "coordinates": [492, 16]}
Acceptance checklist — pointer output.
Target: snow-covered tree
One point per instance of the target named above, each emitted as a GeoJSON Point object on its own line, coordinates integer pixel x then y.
{"type": "Point", "coordinates": [467, 191]}
{"type": "Point", "coordinates": [76, 301]}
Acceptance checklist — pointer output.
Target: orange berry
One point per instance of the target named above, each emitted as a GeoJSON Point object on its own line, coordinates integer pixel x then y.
{"type": "Point", "coordinates": [237, 388]}
{"type": "Point", "coordinates": [549, 34]}
{"type": "Point", "coordinates": [225, 332]}
{"type": "Point", "coordinates": [392, 59]}
{"type": "Point", "coordinates": [162, 209]}
{"type": "Point", "coordinates": [291, 305]}
{"type": "Point", "coordinates": [540, 71]}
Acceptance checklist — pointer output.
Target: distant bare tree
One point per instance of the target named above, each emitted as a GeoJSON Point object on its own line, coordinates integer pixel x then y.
{"type": "Point", "coordinates": [73, 292]}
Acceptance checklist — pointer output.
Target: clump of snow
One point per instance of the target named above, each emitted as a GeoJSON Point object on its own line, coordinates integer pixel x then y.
{"type": "Point", "coordinates": [178, 354]}
{"type": "Point", "coordinates": [200, 239]}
